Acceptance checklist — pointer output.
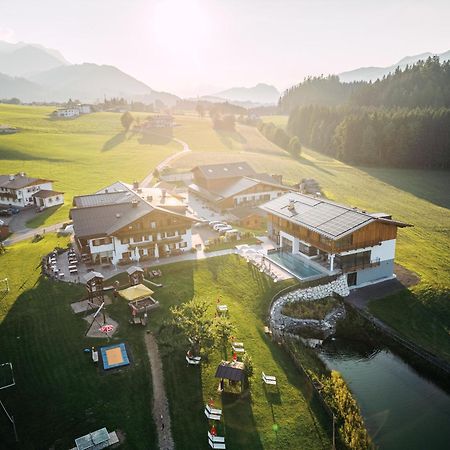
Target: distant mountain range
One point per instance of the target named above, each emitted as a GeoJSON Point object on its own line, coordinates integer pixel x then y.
{"type": "Point", "coordinates": [34, 73]}
{"type": "Point", "coordinates": [261, 94]}
{"type": "Point", "coordinates": [372, 73]}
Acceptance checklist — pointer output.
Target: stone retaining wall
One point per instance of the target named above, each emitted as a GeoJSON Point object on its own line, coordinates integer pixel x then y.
{"type": "Point", "coordinates": [281, 323]}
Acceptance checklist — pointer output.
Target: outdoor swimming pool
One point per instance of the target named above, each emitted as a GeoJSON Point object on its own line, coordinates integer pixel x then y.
{"type": "Point", "coordinates": [294, 264]}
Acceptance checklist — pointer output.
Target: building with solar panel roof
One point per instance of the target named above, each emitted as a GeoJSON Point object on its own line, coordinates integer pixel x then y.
{"type": "Point", "coordinates": [317, 236]}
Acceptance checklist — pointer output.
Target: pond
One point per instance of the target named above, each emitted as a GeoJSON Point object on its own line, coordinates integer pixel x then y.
{"type": "Point", "coordinates": [402, 408]}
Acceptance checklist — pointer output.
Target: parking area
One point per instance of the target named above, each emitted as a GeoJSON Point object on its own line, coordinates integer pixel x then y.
{"type": "Point", "coordinates": [204, 210]}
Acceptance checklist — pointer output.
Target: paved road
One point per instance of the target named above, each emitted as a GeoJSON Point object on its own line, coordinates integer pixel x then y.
{"type": "Point", "coordinates": [165, 163]}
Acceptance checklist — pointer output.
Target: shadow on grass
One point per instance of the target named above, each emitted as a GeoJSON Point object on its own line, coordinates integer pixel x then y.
{"type": "Point", "coordinates": [11, 155]}
{"type": "Point", "coordinates": [114, 141]}
{"type": "Point", "coordinates": [39, 219]}
{"type": "Point", "coordinates": [302, 160]}
{"type": "Point", "coordinates": [241, 431]}
{"type": "Point", "coordinates": [228, 138]}
{"type": "Point", "coordinates": [319, 417]}
{"type": "Point", "coordinates": [156, 138]}
{"type": "Point", "coordinates": [430, 185]}
{"type": "Point", "coordinates": [59, 393]}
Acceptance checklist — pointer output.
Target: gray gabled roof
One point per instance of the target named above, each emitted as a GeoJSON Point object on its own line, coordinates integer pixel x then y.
{"type": "Point", "coordinates": [20, 181]}
{"type": "Point", "coordinates": [325, 217]}
{"type": "Point", "coordinates": [227, 170]}
{"type": "Point", "coordinates": [90, 275]}
{"type": "Point", "coordinates": [133, 269]}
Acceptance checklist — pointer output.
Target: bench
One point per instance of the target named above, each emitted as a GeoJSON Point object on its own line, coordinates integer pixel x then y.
{"type": "Point", "coordinates": [268, 379]}
{"type": "Point", "coordinates": [213, 414]}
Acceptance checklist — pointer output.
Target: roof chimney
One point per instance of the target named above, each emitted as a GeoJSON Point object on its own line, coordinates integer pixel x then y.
{"type": "Point", "coordinates": [291, 206]}
{"type": "Point", "coordinates": [23, 174]}
{"type": "Point", "coordinates": [134, 203]}
{"type": "Point", "coordinates": [135, 185]}
{"type": "Point", "coordinates": [11, 177]}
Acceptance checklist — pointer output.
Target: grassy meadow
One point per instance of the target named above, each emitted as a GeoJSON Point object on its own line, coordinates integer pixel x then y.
{"type": "Point", "coordinates": [418, 197]}
{"type": "Point", "coordinates": [81, 155]}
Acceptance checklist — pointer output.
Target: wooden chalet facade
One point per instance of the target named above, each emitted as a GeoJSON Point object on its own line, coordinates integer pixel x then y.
{"type": "Point", "coordinates": [120, 226]}
{"type": "Point", "coordinates": [337, 237]}
{"type": "Point", "coordinates": [232, 185]}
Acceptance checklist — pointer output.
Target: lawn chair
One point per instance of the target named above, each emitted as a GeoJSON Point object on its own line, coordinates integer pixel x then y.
{"type": "Point", "coordinates": [268, 379]}
{"type": "Point", "coordinates": [238, 347]}
{"type": "Point", "coordinates": [193, 360]}
{"type": "Point", "coordinates": [216, 442]}
{"type": "Point", "coordinates": [212, 413]}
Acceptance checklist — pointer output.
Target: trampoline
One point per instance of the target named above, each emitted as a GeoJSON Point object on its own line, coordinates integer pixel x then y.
{"type": "Point", "coordinates": [114, 356]}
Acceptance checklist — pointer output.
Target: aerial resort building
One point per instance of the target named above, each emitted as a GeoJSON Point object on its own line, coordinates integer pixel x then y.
{"type": "Point", "coordinates": [317, 237]}
{"type": "Point", "coordinates": [20, 190]}
{"type": "Point", "coordinates": [232, 185]}
{"type": "Point", "coordinates": [121, 224]}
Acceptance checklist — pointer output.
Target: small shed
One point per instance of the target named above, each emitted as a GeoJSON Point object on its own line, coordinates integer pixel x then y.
{"type": "Point", "coordinates": [94, 286]}
{"type": "Point", "coordinates": [135, 275]}
{"type": "Point", "coordinates": [46, 198]}
{"type": "Point", "coordinates": [233, 371]}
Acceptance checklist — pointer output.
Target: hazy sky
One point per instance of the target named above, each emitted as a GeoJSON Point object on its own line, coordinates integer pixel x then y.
{"type": "Point", "coordinates": [194, 46]}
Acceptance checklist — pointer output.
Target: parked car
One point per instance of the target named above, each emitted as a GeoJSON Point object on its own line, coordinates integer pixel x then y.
{"type": "Point", "coordinates": [5, 212]}
{"type": "Point", "coordinates": [214, 222]}
{"type": "Point", "coordinates": [220, 225]}
{"type": "Point", "coordinates": [224, 229]}
{"type": "Point", "coordinates": [14, 210]}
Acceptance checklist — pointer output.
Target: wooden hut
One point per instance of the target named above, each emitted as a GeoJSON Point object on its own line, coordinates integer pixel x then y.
{"type": "Point", "coordinates": [94, 287]}
{"type": "Point", "coordinates": [135, 275]}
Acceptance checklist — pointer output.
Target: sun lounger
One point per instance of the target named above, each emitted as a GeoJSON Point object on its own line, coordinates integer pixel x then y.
{"type": "Point", "coordinates": [193, 360]}
{"type": "Point", "coordinates": [216, 445]}
{"type": "Point", "coordinates": [238, 347]}
{"type": "Point", "coordinates": [215, 438]}
{"type": "Point", "coordinates": [213, 414]}
{"type": "Point", "coordinates": [95, 356]}
{"type": "Point", "coordinates": [268, 379]}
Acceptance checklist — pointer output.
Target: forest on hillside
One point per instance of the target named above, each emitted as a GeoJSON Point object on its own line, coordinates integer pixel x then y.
{"type": "Point", "coordinates": [402, 120]}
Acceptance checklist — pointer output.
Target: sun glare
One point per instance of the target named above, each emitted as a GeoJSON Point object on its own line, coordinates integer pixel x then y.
{"type": "Point", "coordinates": [181, 26]}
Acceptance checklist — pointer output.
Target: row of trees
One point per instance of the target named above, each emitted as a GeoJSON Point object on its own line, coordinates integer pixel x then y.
{"type": "Point", "coordinates": [424, 84]}
{"type": "Point", "coordinates": [279, 137]}
{"type": "Point", "coordinates": [418, 138]}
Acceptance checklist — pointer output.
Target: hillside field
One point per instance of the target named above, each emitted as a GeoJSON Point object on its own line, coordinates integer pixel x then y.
{"type": "Point", "coordinates": [81, 155]}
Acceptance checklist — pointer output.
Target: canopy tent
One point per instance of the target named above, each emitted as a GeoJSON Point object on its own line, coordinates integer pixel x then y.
{"type": "Point", "coordinates": [135, 293]}
{"type": "Point", "coordinates": [233, 371]}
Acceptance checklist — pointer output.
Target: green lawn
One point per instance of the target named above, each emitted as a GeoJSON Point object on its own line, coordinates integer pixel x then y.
{"type": "Point", "coordinates": [60, 394]}
{"type": "Point", "coordinates": [419, 197]}
{"type": "Point", "coordinates": [81, 155]}
{"type": "Point", "coordinates": [249, 419]}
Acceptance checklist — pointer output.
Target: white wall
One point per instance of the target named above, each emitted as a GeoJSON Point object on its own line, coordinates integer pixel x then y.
{"type": "Point", "coordinates": [255, 196]}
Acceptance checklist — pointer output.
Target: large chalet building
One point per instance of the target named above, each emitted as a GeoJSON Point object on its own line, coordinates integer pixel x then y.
{"type": "Point", "coordinates": [121, 224]}
{"type": "Point", "coordinates": [335, 237]}
{"type": "Point", "coordinates": [20, 190]}
{"type": "Point", "coordinates": [232, 185]}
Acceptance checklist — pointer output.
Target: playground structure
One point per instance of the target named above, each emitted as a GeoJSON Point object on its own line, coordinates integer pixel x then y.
{"type": "Point", "coordinates": [140, 301]}
{"type": "Point", "coordinates": [135, 275]}
{"type": "Point", "coordinates": [94, 287]}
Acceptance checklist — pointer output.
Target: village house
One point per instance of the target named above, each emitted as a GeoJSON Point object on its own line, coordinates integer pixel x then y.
{"type": "Point", "coordinates": [66, 113]}
{"type": "Point", "coordinates": [159, 121]}
{"type": "Point", "coordinates": [314, 232]}
{"type": "Point", "coordinates": [122, 223]}
{"type": "Point", "coordinates": [232, 185]}
{"type": "Point", "coordinates": [19, 190]}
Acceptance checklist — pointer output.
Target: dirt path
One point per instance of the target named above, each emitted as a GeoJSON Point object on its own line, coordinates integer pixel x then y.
{"type": "Point", "coordinates": [160, 410]}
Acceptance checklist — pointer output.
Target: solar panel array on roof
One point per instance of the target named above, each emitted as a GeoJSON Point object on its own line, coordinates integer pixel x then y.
{"type": "Point", "coordinates": [322, 216]}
